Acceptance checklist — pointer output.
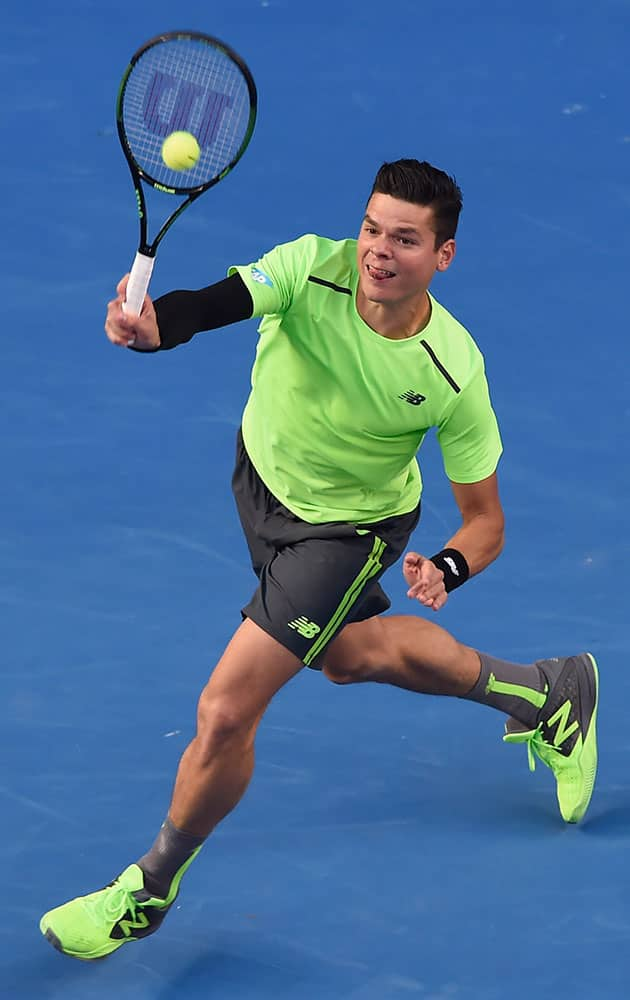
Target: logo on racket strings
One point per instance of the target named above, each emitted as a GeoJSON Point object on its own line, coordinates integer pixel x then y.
{"type": "Point", "coordinates": [172, 105]}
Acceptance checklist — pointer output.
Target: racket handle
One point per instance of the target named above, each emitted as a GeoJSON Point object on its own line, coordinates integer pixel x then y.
{"type": "Point", "coordinates": [138, 283]}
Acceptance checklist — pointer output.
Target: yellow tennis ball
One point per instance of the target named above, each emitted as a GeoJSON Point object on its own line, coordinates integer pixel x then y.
{"type": "Point", "coordinates": [180, 150]}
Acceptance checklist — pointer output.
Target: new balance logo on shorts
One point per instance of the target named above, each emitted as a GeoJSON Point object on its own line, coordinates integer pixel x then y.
{"type": "Point", "coordinates": [305, 628]}
{"type": "Point", "coordinates": [415, 398]}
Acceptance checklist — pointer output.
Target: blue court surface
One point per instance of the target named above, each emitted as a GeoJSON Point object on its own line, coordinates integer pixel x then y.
{"type": "Point", "coordinates": [390, 846]}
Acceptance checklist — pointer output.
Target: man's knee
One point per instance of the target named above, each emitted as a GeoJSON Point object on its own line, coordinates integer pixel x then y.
{"type": "Point", "coordinates": [342, 674]}
{"type": "Point", "coordinates": [222, 722]}
{"type": "Point", "coordinates": [357, 654]}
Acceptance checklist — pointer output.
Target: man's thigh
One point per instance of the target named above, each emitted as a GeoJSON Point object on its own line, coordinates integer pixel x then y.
{"type": "Point", "coordinates": [253, 667]}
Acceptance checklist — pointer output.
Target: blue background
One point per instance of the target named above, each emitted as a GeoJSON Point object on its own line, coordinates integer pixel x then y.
{"type": "Point", "coordinates": [390, 846]}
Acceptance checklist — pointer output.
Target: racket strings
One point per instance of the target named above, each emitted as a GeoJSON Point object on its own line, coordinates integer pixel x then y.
{"type": "Point", "coordinates": [186, 85]}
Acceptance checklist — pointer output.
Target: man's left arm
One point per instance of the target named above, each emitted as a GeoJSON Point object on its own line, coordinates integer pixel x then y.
{"type": "Point", "coordinates": [471, 445]}
{"type": "Point", "coordinates": [481, 535]}
{"type": "Point", "coordinates": [476, 543]}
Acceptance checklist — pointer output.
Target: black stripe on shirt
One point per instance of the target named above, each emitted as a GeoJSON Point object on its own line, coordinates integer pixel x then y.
{"type": "Point", "coordinates": [440, 367]}
{"type": "Point", "coordinates": [329, 284]}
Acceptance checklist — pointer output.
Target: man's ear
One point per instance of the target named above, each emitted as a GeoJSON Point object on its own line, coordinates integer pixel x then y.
{"type": "Point", "coordinates": [446, 253]}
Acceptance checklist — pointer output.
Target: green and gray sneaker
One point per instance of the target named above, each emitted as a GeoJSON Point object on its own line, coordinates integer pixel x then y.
{"type": "Point", "coordinates": [93, 926]}
{"type": "Point", "coordinates": [565, 738]}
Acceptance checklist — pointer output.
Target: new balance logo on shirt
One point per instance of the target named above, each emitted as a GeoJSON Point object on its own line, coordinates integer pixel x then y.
{"type": "Point", "coordinates": [415, 398]}
{"type": "Point", "coordinates": [305, 628]}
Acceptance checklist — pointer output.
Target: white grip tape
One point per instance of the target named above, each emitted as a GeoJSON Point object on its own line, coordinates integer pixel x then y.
{"type": "Point", "coordinates": [138, 283]}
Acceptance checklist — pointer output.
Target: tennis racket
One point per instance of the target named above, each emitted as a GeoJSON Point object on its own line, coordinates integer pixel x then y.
{"type": "Point", "coordinates": [180, 81]}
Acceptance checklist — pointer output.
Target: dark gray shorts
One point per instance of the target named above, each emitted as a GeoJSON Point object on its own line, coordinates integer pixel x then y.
{"type": "Point", "coordinates": [313, 578]}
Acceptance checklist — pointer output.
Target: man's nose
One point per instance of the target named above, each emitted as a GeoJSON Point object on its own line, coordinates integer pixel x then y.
{"type": "Point", "coordinates": [380, 246]}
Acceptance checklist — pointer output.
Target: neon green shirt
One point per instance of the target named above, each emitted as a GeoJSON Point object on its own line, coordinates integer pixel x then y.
{"type": "Point", "coordinates": [337, 412]}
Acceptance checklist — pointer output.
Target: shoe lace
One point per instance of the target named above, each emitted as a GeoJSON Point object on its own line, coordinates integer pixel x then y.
{"type": "Point", "coordinates": [538, 746]}
{"type": "Point", "coordinates": [533, 740]}
{"type": "Point", "coordinates": [114, 903]}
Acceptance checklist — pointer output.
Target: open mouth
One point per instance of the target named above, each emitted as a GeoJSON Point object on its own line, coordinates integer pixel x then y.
{"type": "Point", "coordinates": [379, 273]}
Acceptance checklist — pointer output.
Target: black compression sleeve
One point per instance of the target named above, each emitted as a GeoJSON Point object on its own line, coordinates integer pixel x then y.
{"type": "Point", "coordinates": [182, 314]}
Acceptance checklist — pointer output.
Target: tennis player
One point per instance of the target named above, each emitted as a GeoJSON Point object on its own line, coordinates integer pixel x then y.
{"type": "Point", "coordinates": [356, 361]}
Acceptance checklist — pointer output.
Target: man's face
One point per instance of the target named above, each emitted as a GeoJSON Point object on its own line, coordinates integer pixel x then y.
{"type": "Point", "coordinates": [396, 252]}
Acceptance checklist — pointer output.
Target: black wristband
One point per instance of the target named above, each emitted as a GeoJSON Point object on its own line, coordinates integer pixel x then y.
{"type": "Point", "coordinates": [454, 566]}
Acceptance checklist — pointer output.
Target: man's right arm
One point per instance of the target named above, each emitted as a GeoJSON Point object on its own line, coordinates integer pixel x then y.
{"type": "Point", "coordinates": [176, 317]}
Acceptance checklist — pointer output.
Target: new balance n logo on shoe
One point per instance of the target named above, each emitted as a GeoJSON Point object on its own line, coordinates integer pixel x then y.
{"type": "Point", "coordinates": [415, 398]}
{"type": "Point", "coordinates": [136, 923]}
{"type": "Point", "coordinates": [305, 628]}
{"type": "Point", "coordinates": [561, 717]}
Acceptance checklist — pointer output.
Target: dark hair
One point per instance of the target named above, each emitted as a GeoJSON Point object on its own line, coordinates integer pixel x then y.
{"type": "Point", "coordinates": [423, 184]}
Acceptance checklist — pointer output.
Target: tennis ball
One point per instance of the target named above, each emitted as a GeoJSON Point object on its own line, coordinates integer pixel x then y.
{"type": "Point", "coordinates": [180, 150]}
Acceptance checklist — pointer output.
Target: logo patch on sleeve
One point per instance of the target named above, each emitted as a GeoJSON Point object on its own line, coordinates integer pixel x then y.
{"type": "Point", "coordinates": [261, 277]}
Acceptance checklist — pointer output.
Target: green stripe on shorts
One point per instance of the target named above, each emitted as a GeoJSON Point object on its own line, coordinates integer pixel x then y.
{"type": "Point", "coordinates": [371, 568]}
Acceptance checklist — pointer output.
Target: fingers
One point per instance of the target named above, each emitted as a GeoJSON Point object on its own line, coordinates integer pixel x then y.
{"type": "Point", "coordinates": [412, 568]}
{"type": "Point", "coordinates": [425, 580]}
{"type": "Point", "coordinates": [434, 601]}
{"type": "Point", "coordinates": [119, 327]}
{"type": "Point", "coordinates": [124, 329]}
{"type": "Point", "coordinates": [434, 597]}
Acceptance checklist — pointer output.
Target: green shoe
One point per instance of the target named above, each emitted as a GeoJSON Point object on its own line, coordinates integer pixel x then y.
{"type": "Point", "coordinates": [94, 926]}
{"type": "Point", "coordinates": [566, 736]}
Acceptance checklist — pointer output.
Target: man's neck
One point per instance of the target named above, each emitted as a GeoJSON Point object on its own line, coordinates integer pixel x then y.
{"type": "Point", "coordinates": [397, 321]}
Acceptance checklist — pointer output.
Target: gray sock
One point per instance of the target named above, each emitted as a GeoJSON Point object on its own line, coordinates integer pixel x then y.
{"type": "Point", "coordinates": [170, 852]}
{"type": "Point", "coordinates": [516, 690]}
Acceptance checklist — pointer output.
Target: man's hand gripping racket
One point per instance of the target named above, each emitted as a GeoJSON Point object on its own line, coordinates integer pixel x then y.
{"type": "Point", "coordinates": [127, 330]}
